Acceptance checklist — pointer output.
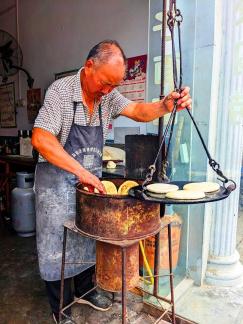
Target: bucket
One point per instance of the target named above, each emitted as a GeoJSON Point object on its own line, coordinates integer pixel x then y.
{"type": "Point", "coordinates": [149, 243]}
{"type": "Point", "coordinates": [115, 217]}
{"type": "Point", "coordinates": [109, 266]}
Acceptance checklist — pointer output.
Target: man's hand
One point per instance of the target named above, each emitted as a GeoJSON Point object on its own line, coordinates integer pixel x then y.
{"type": "Point", "coordinates": [184, 100]}
{"type": "Point", "coordinates": [89, 179]}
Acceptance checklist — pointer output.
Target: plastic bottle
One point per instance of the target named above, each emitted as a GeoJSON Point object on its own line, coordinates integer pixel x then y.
{"type": "Point", "coordinates": [21, 140]}
{"type": "Point", "coordinates": [25, 144]}
{"type": "Point", "coordinates": [28, 144]}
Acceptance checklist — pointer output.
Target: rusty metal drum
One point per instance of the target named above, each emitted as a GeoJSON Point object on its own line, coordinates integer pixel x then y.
{"type": "Point", "coordinates": [115, 217]}
{"type": "Point", "coordinates": [109, 266]}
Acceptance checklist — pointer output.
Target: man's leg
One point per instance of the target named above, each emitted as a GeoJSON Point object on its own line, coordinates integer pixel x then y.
{"type": "Point", "coordinates": [53, 292]}
{"type": "Point", "coordinates": [83, 283]}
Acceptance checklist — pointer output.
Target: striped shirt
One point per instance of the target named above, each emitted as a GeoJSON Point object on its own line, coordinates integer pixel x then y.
{"type": "Point", "coordinates": [56, 114]}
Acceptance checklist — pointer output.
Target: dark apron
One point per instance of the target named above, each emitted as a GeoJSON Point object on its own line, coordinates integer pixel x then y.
{"type": "Point", "coordinates": [56, 203]}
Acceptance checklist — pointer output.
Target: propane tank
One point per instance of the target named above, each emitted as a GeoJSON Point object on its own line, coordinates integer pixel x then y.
{"type": "Point", "coordinates": [23, 205]}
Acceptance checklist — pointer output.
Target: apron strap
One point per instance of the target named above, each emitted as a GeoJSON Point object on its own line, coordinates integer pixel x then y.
{"type": "Point", "coordinates": [74, 110]}
{"type": "Point", "coordinates": [100, 114]}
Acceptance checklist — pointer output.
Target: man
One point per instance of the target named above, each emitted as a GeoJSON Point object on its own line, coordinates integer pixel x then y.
{"type": "Point", "coordinates": [69, 133]}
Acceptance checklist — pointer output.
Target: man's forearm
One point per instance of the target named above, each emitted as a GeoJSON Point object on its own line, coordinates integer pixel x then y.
{"type": "Point", "coordinates": [145, 112]}
{"type": "Point", "coordinates": [50, 148]}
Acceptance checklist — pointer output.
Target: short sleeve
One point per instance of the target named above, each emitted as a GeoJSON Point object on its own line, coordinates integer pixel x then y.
{"type": "Point", "coordinates": [118, 103]}
{"type": "Point", "coordinates": [50, 115]}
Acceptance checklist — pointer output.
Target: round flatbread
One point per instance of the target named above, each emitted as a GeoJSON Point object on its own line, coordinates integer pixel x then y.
{"type": "Point", "coordinates": [109, 187]}
{"type": "Point", "coordinates": [161, 188]}
{"type": "Point", "coordinates": [126, 186]}
{"type": "Point", "coordinates": [202, 186]}
{"type": "Point", "coordinates": [185, 195]}
{"type": "Point", "coordinates": [155, 195]}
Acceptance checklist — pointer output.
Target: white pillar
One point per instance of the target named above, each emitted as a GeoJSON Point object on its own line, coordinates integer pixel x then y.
{"type": "Point", "coordinates": [224, 268]}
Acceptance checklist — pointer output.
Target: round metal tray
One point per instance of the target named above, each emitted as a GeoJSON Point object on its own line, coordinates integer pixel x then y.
{"type": "Point", "coordinates": [137, 192]}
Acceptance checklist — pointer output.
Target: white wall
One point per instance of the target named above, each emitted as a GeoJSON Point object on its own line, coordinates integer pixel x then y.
{"type": "Point", "coordinates": [55, 35]}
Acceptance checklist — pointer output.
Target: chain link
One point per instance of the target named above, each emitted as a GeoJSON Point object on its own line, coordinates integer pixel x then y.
{"type": "Point", "coordinates": [149, 175]}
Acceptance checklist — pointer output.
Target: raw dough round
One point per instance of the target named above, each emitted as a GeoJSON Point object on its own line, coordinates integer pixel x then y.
{"type": "Point", "coordinates": [185, 194]}
{"type": "Point", "coordinates": [161, 188]}
{"type": "Point", "coordinates": [111, 165]}
{"type": "Point", "coordinates": [202, 186]}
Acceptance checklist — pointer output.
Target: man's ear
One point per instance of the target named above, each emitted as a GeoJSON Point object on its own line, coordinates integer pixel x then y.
{"type": "Point", "coordinates": [89, 63]}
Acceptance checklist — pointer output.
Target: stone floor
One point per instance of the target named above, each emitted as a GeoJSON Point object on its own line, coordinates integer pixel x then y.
{"type": "Point", "coordinates": [211, 305]}
{"type": "Point", "coordinates": [23, 299]}
{"type": "Point", "coordinates": [22, 293]}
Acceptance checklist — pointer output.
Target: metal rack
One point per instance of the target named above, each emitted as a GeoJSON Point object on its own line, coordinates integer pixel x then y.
{"type": "Point", "coordinates": [138, 194]}
{"type": "Point", "coordinates": [70, 226]}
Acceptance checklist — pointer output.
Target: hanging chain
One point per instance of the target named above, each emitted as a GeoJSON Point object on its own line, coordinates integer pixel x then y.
{"type": "Point", "coordinates": [152, 167]}
{"type": "Point", "coordinates": [175, 18]}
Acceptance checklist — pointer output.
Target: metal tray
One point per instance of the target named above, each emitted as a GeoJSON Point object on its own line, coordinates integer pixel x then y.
{"type": "Point", "coordinates": [139, 193]}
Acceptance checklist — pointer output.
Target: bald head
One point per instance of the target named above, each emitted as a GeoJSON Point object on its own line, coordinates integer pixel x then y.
{"type": "Point", "coordinates": [107, 51]}
{"type": "Point", "coordinates": [104, 69]}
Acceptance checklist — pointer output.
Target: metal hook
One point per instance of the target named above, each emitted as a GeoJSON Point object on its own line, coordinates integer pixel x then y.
{"type": "Point", "coordinates": [224, 178]}
{"type": "Point", "coordinates": [149, 175]}
{"type": "Point", "coordinates": [178, 16]}
{"type": "Point", "coordinates": [230, 187]}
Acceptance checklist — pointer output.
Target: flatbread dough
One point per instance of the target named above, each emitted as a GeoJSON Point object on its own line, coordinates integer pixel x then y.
{"type": "Point", "coordinates": [161, 188]}
{"type": "Point", "coordinates": [185, 194]}
{"type": "Point", "coordinates": [126, 186]}
{"type": "Point", "coordinates": [202, 186]}
{"type": "Point", "coordinates": [111, 165]}
{"type": "Point", "coordinates": [109, 187]}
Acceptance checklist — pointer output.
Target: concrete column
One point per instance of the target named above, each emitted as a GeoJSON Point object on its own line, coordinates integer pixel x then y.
{"type": "Point", "coordinates": [224, 268]}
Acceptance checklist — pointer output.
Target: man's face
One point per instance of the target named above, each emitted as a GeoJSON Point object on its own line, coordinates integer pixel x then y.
{"type": "Point", "coordinates": [103, 78]}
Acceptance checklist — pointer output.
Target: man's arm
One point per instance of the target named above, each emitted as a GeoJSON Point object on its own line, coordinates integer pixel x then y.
{"type": "Point", "coordinates": [145, 112]}
{"type": "Point", "coordinates": [50, 148]}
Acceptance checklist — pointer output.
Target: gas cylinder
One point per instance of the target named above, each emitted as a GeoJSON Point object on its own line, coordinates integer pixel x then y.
{"type": "Point", "coordinates": [23, 205]}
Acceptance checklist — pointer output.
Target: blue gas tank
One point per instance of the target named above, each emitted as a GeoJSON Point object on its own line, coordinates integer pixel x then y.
{"type": "Point", "coordinates": [23, 205]}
